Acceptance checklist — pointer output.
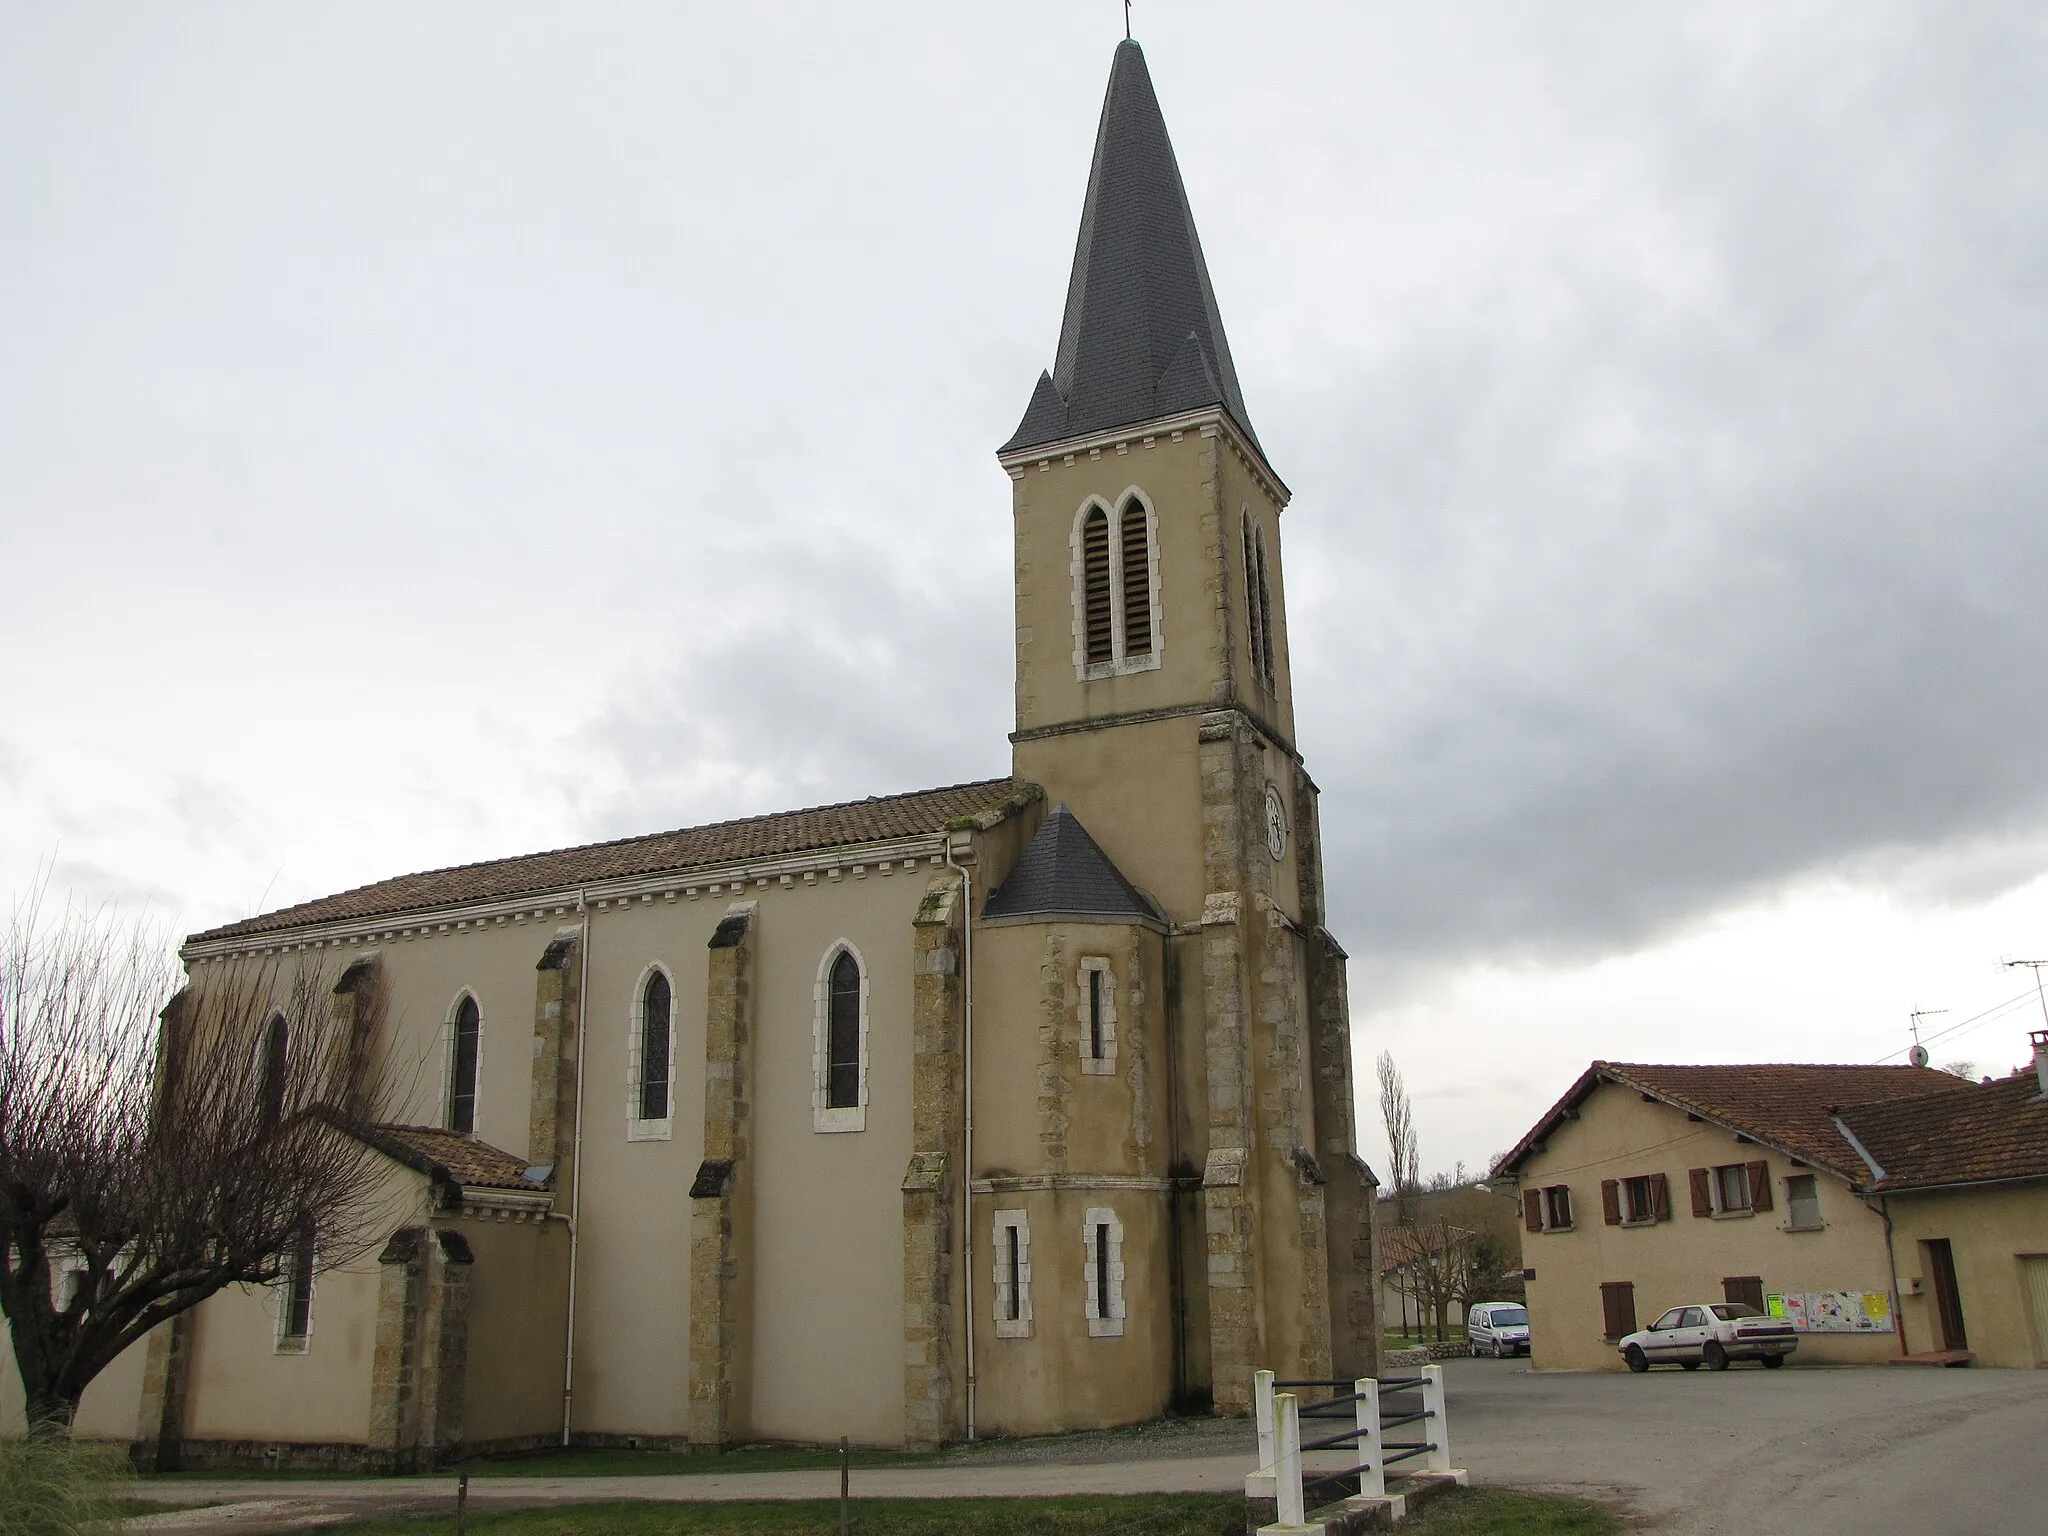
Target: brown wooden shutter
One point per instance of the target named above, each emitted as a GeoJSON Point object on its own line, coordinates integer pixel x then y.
{"type": "Point", "coordinates": [1759, 1186]}
{"type": "Point", "coordinates": [1747, 1289]}
{"type": "Point", "coordinates": [1532, 1210]}
{"type": "Point", "coordinates": [1137, 573]}
{"type": "Point", "coordinates": [1097, 634]}
{"type": "Point", "coordinates": [1618, 1308]}
{"type": "Point", "coordinates": [1660, 1196]}
{"type": "Point", "coordinates": [1610, 1201]}
{"type": "Point", "coordinates": [1702, 1191]}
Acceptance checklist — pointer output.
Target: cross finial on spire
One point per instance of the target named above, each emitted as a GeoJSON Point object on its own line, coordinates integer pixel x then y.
{"type": "Point", "coordinates": [1127, 20]}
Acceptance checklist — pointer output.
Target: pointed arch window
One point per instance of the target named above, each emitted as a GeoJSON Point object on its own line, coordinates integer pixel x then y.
{"type": "Point", "coordinates": [1116, 589]}
{"type": "Point", "coordinates": [276, 1068]}
{"type": "Point", "coordinates": [1258, 604]}
{"type": "Point", "coordinates": [840, 1098]}
{"type": "Point", "coordinates": [653, 1050]}
{"type": "Point", "coordinates": [465, 1045]}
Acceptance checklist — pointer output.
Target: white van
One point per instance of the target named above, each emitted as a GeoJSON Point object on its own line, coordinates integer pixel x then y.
{"type": "Point", "coordinates": [1498, 1328]}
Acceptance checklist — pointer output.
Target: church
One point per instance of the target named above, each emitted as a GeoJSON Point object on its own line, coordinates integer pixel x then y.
{"type": "Point", "coordinates": [999, 1108]}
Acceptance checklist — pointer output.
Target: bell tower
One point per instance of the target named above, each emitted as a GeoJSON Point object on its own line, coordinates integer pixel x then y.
{"type": "Point", "coordinates": [1154, 701]}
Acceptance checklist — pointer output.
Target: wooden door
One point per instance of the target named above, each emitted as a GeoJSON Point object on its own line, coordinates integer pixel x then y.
{"type": "Point", "coordinates": [1948, 1302]}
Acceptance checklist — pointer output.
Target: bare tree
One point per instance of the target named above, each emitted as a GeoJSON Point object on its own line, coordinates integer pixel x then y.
{"type": "Point", "coordinates": [1441, 1260]}
{"type": "Point", "coordinates": [156, 1148]}
{"type": "Point", "coordinates": [1397, 1115]}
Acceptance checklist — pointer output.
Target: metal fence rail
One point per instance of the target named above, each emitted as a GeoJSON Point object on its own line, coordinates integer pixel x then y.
{"type": "Point", "coordinates": [1369, 1413]}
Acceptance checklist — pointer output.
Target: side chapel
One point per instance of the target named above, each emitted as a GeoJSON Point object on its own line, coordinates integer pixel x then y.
{"type": "Point", "coordinates": [1006, 1107]}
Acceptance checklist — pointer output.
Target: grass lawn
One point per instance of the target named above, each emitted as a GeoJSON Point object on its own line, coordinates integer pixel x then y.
{"type": "Point", "coordinates": [1145, 1515]}
{"type": "Point", "coordinates": [1504, 1512]}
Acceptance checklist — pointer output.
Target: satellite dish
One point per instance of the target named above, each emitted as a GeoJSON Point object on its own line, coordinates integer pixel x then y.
{"type": "Point", "coordinates": [1917, 1055]}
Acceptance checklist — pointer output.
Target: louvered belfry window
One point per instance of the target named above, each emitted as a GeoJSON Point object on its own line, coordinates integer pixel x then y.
{"type": "Point", "coordinates": [1264, 650]}
{"type": "Point", "coordinates": [1137, 574]}
{"type": "Point", "coordinates": [654, 1043]}
{"type": "Point", "coordinates": [842, 1047]}
{"type": "Point", "coordinates": [1254, 624]}
{"type": "Point", "coordinates": [1099, 636]}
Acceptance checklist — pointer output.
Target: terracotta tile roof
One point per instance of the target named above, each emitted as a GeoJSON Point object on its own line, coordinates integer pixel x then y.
{"type": "Point", "coordinates": [1781, 1105]}
{"type": "Point", "coordinates": [854, 822]}
{"type": "Point", "coordinates": [450, 1158]}
{"type": "Point", "coordinates": [1991, 1132]}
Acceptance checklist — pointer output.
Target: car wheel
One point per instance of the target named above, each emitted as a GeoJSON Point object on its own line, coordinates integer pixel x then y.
{"type": "Point", "coordinates": [1715, 1356]}
{"type": "Point", "coordinates": [1688, 1365]}
{"type": "Point", "coordinates": [1772, 1362]}
{"type": "Point", "coordinates": [1637, 1360]}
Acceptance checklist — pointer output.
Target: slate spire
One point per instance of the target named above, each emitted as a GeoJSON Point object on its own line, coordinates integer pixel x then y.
{"type": "Point", "coordinates": [1142, 337]}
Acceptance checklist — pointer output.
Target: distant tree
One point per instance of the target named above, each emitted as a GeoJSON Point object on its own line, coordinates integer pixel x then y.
{"type": "Point", "coordinates": [158, 1146]}
{"type": "Point", "coordinates": [1966, 1070]}
{"type": "Point", "coordinates": [1397, 1116]}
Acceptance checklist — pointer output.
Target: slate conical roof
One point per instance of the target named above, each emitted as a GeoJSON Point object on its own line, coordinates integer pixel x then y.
{"type": "Point", "coordinates": [1142, 337]}
{"type": "Point", "coordinates": [1065, 873]}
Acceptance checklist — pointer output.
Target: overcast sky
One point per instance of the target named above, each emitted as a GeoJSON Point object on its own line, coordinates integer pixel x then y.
{"type": "Point", "coordinates": [437, 432]}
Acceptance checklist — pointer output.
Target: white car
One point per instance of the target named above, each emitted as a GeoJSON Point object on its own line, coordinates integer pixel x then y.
{"type": "Point", "coordinates": [1710, 1334]}
{"type": "Point", "coordinates": [1498, 1328]}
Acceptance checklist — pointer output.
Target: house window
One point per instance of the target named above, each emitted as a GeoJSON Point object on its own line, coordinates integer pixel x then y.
{"type": "Point", "coordinates": [1636, 1201]}
{"type": "Point", "coordinates": [277, 1057]}
{"type": "Point", "coordinates": [466, 1040]}
{"type": "Point", "coordinates": [841, 1096]}
{"type": "Point", "coordinates": [1098, 1017]}
{"type": "Point", "coordinates": [1618, 1308]}
{"type": "Point", "coordinates": [1548, 1209]}
{"type": "Point", "coordinates": [295, 1295]}
{"type": "Point", "coordinates": [651, 1050]}
{"type": "Point", "coordinates": [1731, 1188]}
{"type": "Point", "coordinates": [1102, 1237]}
{"type": "Point", "coordinates": [1116, 589]}
{"type": "Point", "coordinates": [1802, 1203]}
{"type": "Point", "coordinates": [1013, 1275]}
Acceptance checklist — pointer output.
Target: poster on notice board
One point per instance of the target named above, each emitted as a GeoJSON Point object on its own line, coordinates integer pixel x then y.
{"type": "Point", "coordinates": [1832, 1311]}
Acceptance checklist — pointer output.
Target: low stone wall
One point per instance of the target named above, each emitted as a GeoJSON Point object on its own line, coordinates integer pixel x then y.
{"type": "Point", "coordinates": [1449, 1349]}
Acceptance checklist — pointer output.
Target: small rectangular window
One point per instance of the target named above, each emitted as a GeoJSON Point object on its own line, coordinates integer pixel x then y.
{"type": "Point", "coordinates": [1012, 1275]}
{"type": "Point", "coordinates": [1731, 1188]}
{"type": "Point", "coordinates": [1637, 1204]}
{"type": "Point", "coordinates": [295, 1304]}
{"type": "Point", "coordinates": [1802, 1203]}
{"type": "Point", "coordinates": [1097, 1017]}
{"type": "Point", "coordinates": [1102, 1237]}
{"type": "Point", "coordinates": [1557, 1208]}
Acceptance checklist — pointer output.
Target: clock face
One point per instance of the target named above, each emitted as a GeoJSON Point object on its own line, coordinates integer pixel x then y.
{"type": "Point", "coordinates": [1276, 823]}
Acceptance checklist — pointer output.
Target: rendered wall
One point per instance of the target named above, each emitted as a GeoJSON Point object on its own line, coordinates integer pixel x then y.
{"type": "Point", "coordinates": [1989, 1231]}
{"type": "Point", "coordinates": [518, 1302]}
{"type": "Point", "coordinates": [1684, 1259]}
{"type": "Point", "coordinates": [108, 1409]}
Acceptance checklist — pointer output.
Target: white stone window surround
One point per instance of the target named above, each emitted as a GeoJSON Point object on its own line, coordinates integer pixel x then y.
{"type": "Point", "coordinates": [1012, 1235]}
{"type": "Point", "coordinates": [854, 1117]}
{"type": "Point", "coordinates": [1093, 1065]}
{"type": "Point", "coordinates": [444, 1113]}
{"type": "Point", "coordinates": [1092, 1222]}
{"type": "Point", "coordinates": [638, 1129]}
{"type": "Point", "coordinates": [1118, 664]}
{"type": "Point", "coordinates": [289, 1343]}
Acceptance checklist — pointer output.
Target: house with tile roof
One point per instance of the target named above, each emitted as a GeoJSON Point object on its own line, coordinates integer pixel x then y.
{"type": "Point", "coordinates": [1647, 1187]}
{"type": "Point", "coordinates": [1005, 1107]}
{"type": "Point", "coordinates": [1961, 1182]}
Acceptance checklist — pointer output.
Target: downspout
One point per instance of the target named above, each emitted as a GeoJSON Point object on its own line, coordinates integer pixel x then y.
{"type": "Point", "coordinates": [1884, 1212]}
{"type": "Point", "coordinates": [576, 1166]}
{"type": "Point", "coordinates": [967, 1118]}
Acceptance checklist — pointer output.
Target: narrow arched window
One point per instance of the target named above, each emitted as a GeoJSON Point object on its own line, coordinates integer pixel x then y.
{"type": "Point", "coordinates": [1268, 669]}
{"type": "Point", "coordinates": [1254, 628]}
{"type": "Point", "coordinates": [1137, 582]}
{"type": "Point", "coordinates": [468, 1031]}
{"type": "Point", "coordinates": [842, 1045]}
{"type": "Point", "coordinates": [654, 1048]}
{"type": "Point", "coordinates": [277, 1062]}
{"type": "Point", "coordinates": [1098, 628]}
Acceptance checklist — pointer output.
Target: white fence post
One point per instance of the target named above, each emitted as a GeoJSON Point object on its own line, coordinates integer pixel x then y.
{"type": "Point", "coordinates": [1287, 1466]}
{"type": "Point", "coordinates": [1437, 1428]}
{"type": "Point", "coordinates": [1262, 1408]}
{"type": "Point", "coordinates": [1371, 1455]}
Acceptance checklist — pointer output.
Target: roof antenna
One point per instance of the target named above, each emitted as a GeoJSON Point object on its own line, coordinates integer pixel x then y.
{"type": "Point", "coordinates": [1918, 1055]}
{"type": "Point", "coordinates": [2035, 967]}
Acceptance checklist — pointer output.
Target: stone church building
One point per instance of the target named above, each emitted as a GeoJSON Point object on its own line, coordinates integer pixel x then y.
{"type": "Point", "coordinates": [999, 1108]}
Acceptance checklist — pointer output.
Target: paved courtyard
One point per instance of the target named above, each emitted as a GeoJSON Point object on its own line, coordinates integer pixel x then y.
{"type": "Point", "coordinates": [1815, 1452]}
